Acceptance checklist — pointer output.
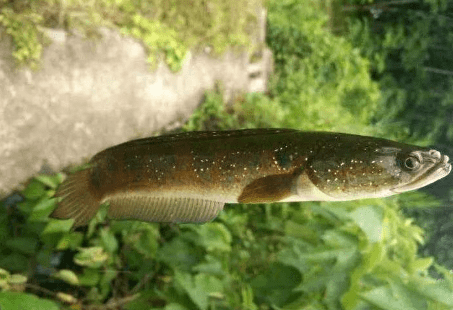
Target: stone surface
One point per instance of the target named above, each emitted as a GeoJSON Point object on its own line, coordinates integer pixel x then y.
{"type": "Point", "coordinates": [93, 93]}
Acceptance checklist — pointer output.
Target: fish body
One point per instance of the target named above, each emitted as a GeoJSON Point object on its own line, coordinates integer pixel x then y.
{"type": "Point", "coordinates": [188, 177]}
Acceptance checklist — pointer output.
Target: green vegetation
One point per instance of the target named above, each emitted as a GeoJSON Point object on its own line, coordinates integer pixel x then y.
{"type": "Point", "coordinates": [166, 28]}
{"type": "Point", "coordinates": [409, 58]}
{"type": "Point", "coordinates": [26, 37]}
{"type": "Point", "coordinates": [354, 255]}
{"type": "Point", "coordinates": [351, 255]}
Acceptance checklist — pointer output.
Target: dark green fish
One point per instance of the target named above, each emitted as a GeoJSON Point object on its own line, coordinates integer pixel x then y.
{"type": "Point", "coordinates": [188, 177]}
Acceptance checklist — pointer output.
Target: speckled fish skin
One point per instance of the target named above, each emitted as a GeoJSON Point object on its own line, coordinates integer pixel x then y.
{"type": "Point", "coordinates": [188, 177]}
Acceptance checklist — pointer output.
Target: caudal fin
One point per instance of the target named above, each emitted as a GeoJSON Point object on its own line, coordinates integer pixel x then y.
{"type": "Point", "coordinates": [76, 200]}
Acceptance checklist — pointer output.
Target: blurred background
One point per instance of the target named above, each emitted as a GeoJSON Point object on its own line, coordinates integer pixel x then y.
{"type": "Point", "coordinates": [380, 68]}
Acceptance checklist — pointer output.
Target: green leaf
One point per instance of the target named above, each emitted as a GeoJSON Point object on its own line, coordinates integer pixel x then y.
{"type": "Point", "coordinates": [395, 296]}
{"type": "Point", "coordinates": [439, 291]}
{"type": "Point", "coordinates": [108, 240]}
{"type": "Point", "coordinates": [276, 284]}
{"type": "Point", "coordinates": [17, 279]}
{"type": "Point", "coordinates": [93, 257]}
{"type": "Point", "coordinates": [212, 266]}
{"type": "Point", "coordinates": [15, 301]}
{"type": "Point", "coordinates": [58, 226]}
{"type": "Point", "coordinates": [421, 264]}
{"type": "Point", "coordinates": [14, 262]}
{"type": "Point", "coordinates": [369, 219]}
{"type": "Point", "coordinates": [106, 281]}
{"type": "Point", "coordinates": [213, 236]}
{"type": "Point", "coordinates": [179, 255]}
{"type": "Point", "coordinates": [68, 276]}
{"type": "Point", "coordinates": [374, 256]}
{"type": "Point", "coordinates": [99, 217]}
{"type": "Point", "coordinates": [301, 231]}
{"type": "Point", "coordinates": [51, 181]}
{"type": "Point", "coordinates": [199, 287]}
{"type": "Point", "coordinates": [23, 245]}
{"type": "Point", "coordinates": [4, 274]}
{"type": "Point", "coordinates": [26, 206]}
{"type": "Point", "coordinates": [34, 190]}
{"type": "Point", "coordinates": [174, 306]}
{"type": "Point", "coordinates": [90, 277]}
{"type": "Point", "coordinates": [70, 240]}
{"type": "Point", "coordinates": [144, 238]}
{"type": "Point", "coordinates": [42, 209]}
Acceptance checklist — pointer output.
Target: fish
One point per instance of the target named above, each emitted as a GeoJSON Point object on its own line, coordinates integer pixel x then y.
{"type": "Point", "coordinates": [189, 177]}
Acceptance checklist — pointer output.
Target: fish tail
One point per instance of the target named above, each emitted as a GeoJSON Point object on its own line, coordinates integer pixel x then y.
{"type": "Point", "coordinates": [76, 199]}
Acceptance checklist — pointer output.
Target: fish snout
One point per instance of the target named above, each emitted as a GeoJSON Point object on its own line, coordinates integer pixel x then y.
{"type": "Point", "coordinates": [437, 158]}
{"type": "Point", "coordinates": [441, 161]}
{"type": "Point", "coordinates": [435, 155]}
{"type": "Point", "coordinates": [447, 165]}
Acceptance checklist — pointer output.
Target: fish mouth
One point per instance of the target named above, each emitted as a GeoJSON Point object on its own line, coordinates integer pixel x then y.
{"type": "Point", "coordinates": [438, 168]}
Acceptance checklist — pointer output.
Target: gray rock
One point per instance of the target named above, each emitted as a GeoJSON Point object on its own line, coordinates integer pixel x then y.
{"type": "Point", "coordinates": [89, 94]}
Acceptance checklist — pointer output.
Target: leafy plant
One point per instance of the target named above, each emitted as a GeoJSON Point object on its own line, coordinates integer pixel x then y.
{"type": "Point", "coordinates": [170, 28]}
{"type": "Point", "coordinates": [157, 37]}
{"type": "Point", "coordinates": [23, 28]}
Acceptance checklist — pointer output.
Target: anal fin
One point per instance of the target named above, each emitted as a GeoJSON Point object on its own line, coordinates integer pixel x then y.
{"type": "Point", "coordinates": [149, 208]}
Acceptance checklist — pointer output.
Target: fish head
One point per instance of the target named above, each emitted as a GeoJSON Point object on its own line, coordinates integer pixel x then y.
{"type": "Point", "coordinates": [347, 169]}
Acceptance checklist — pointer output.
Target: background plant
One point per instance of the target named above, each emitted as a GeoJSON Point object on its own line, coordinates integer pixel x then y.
{"type": "Point", "coordinates": [168, 29]}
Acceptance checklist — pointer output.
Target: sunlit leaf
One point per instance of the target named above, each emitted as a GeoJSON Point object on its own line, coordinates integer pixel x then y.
{"type": "Point", "coordinates": [58, 226]}
{"type": "Point", "coordinates": [199, 287]}
{"type": "Point", "coordinates": [15, 301]}
{"type": "Point", "coordinates": [109, 242]}
{"type": "Point", "coordinates": [70, 240]}
{"type": "Point", "coordinates": [369, 220]}
{"type": "Point", "coordinates": [439, 291]}
{"type": "Point", "coordinates": [394, 297]}
{"type": "Point", "coordinates": [51, 181]}
{"type": "Point", "coordinates": [42, 209]}
{"type": "Point", "coordinates": [34, 190]}
{"type": "Point", "coordinates": [68, 276]}
{"type": "Point", "coordinates": [213, 236]}
{"type": "Point", "coordinates": [66, 298]}
{"type": "Point", "coordinates": [92, 257]}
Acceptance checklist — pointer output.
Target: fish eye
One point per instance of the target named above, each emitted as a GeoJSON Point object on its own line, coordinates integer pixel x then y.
{"type": "Point", "coordinates": [412, 163]}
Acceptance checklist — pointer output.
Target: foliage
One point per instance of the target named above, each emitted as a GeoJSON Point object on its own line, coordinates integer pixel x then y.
{"type": "Point", "coordinates": [249, 111]}
{"type": "Point", "coordinates": [407, 46]}
{"type": "Point", "coordinates": [354, 255]}
{"type": "Point", "coordinates": [157, 37]}
{"type": "Point", "coordinates": [437, 223]}
{"type": "Point", "coordinates": [22, 27]}
{"type": "Point", "coordinates": [320, 78]}
{"type": "Point", "coordinates": [167, 27]}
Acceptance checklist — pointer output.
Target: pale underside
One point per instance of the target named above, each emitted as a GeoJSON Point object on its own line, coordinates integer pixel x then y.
{"type": "Point", "coordinates": [189, 206]}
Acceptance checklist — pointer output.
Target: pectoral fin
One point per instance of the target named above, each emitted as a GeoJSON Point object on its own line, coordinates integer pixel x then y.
{"type": "Point", "coordinates": [272, 188]}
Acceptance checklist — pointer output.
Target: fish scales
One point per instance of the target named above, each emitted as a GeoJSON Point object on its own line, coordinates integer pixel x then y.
{"type": "Point", "coordinates": [212, 164]}
{"type": "Point", "coordinates": [188, 177]}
